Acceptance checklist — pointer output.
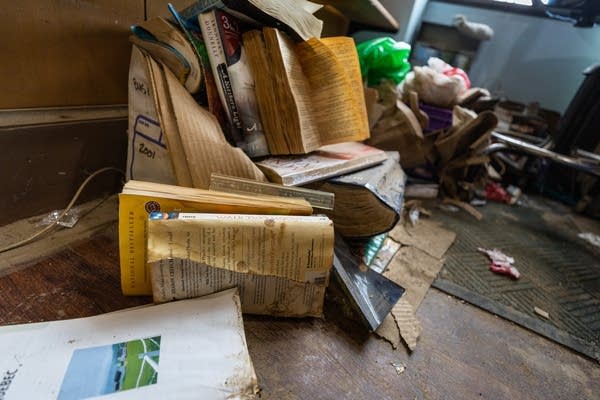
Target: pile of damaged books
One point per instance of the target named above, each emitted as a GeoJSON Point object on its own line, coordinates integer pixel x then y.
{"type": "Point", "coordinates": [246, 153]}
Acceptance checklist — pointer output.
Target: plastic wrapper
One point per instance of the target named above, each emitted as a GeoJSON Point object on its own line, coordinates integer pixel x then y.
{"type": "Point", "coordinates": [68, 220]}
{"type": "Point", "coordinates": [383, 59]}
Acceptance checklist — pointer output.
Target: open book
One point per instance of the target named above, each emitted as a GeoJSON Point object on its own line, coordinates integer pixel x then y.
{"type": "Point", "coordinates": [191, 349]}
{"type": "Point", "coordinates": [309, 94]}
{"type": "Point", "coordinates": [172, 139]}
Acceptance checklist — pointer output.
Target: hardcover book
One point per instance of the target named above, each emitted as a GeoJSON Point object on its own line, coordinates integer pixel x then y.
{"type": "Point", "coordinates": [242, 84]}
{"type": "Point", "coordinates": [368, 202]}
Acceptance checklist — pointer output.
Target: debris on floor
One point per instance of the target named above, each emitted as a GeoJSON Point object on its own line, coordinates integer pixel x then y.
{"type": "Point", "coordinates": [399, 366]}
{"type": "Point", "coordinates": [541, 313]}
{"type": "Point", "coordinates": [590, 237]}
{"type": "Point", "coordinates": [501, 263]}
{"type": "Point", "coordinates": [414, 266]}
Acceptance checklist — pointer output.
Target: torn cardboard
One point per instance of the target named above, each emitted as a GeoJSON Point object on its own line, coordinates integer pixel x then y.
{"type": "Point", "coordinates": [414, 266]}
{"type": "Point", "coordinates": [428, 236]}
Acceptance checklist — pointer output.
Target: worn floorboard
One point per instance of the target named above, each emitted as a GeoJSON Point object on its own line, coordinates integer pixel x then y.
{"type": "Point", "coordinates": [464, 352]}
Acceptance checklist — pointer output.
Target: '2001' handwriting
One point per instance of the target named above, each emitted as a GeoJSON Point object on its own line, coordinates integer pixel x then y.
{"type": "Point", "coordinates": [146, 151]}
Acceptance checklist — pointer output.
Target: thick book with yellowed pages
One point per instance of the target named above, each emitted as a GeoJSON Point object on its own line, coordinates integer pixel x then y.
{"type": "Point", "coordinates": [281, 264]}
{"type": "Point", "coordinates": [368, 202]}
{"type": "Point", "coordinates": [310, 94]}
{"type": "Point", "coordinates": [138, 199]}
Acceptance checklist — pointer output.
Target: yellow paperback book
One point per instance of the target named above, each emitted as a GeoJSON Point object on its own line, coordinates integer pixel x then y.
{"type": "Point", "coordinates": [138, 199]}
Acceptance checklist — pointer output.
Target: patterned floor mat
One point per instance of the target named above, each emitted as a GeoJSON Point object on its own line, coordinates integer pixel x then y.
{"type": "Point", "coordinates": [560, 272]}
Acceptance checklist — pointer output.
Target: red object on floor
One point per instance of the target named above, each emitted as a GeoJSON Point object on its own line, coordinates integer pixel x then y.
{"type": "Point", "coordinates": [505, 270]}
{"type": "Point", "coordinates": [501, 263]}
{"type": "Point", "coordinates": [495, 192]}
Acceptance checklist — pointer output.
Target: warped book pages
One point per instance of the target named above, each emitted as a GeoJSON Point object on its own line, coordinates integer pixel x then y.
{"type": "Point", "coordinates": [186, 350]}
{"type": "Point", "coordinates": [316, 198]}
{"type": "Point", "coordinates": [368, 202]}
{"type": "Point", "coordinates": [327, 162]}
{"type": "Point", "coordinates": [172, 139]}
{"type": "Point", "coordinates": [280, 263]}
{"type": "Point", "coordinates": [166, 43]}
{"type": "Point", "coordinates": [309, 94]}
{"type": "Point", "coordinates": [138, 199]}
{"type": "Point", "coordinates": [293, 16]}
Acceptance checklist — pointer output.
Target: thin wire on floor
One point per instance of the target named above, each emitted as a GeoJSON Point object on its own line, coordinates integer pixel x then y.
{"type": "Point", "coordinates": [63, 213]}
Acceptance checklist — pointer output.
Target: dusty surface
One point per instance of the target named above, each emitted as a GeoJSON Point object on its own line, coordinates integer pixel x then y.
{"type": "Point", "coordinates": [463, 352]}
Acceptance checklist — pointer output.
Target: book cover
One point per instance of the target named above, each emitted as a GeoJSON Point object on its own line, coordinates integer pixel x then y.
{"type": "Point", "coordinates": [139, 199]}
{"type": "Point", "coordinates": [281, 264]}
{"type": "Point", "coordinates": [327, 162]}
{"type": "Point", "coordinates": [242, 83]}
{"type": "Point", "coordinates": [151, 352]}
{"type": "Point", "coordinates": [214, 46]}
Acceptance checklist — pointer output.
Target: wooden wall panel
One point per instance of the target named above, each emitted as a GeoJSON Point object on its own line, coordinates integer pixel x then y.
{"type": "Point", "coordinates": [158, 8]}
{"type": "Point", "coordinates": [65, 52]}
{"type": "Point", "coordinates": [44, 165]}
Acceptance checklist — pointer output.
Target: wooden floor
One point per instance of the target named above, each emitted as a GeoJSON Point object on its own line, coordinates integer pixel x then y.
{"type": "Point", "coordinates": [463, 353]}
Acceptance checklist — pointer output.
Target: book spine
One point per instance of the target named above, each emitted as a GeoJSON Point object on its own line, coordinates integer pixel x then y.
{"type": "Point", "coordinates": [242, 83]}
{"type": "Point", "coordinates": [216, 55]}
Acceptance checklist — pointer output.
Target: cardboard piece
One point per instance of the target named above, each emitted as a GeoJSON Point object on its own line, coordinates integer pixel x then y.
{"type": "Point", "coordinates": [426, 235]}
{"type": "Point", "coordinates": [409, 326]}
{"type": "Point", "coordinates": [389, 331]}
{"type": "Point", "coordinates": [398, 129]}
{"type": "Point", "coordinates": [414, 270]}
{"type": "Point", "coordinates": [414, 266]}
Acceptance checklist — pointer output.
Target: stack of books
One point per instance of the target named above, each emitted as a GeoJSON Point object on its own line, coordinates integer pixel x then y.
{"type": "Point", "coordinates": [247, 89]}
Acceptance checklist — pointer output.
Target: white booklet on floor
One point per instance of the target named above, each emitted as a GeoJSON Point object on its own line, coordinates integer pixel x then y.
{"type": "Point", "coordinates": [188, 349]}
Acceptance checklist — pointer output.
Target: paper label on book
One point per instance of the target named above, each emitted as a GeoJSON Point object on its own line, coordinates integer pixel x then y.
{"type": "Point", "coordinates": [147, 153]}
{"type": "Point", "coordinates": [293, 247]}
{"type": "Point", "coordinates": [177, 278]}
